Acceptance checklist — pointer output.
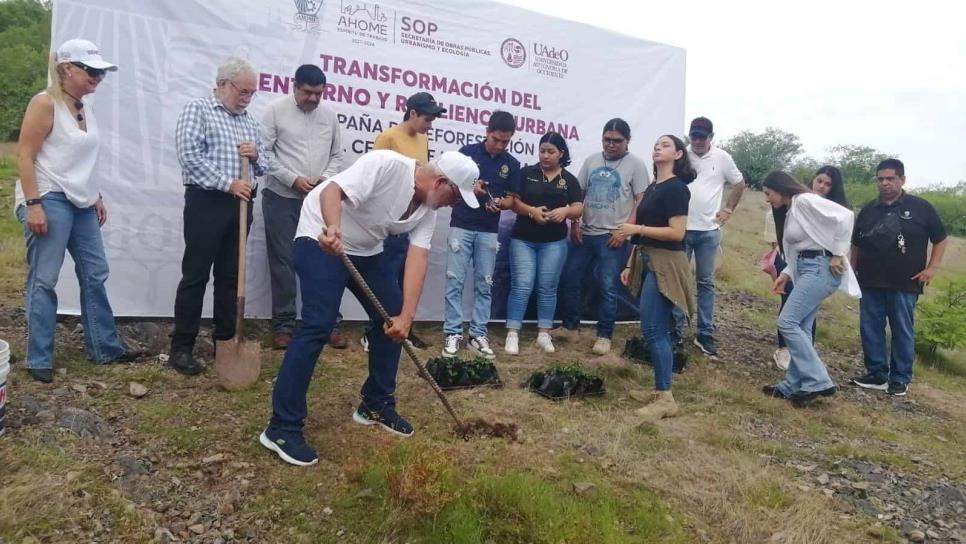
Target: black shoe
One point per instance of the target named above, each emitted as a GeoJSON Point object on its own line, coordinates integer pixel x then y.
{"type": "Point", "coordinates": [897, 389]}
{"type": "Point", "coordinates": [128, 356]}
{"type": "Point", "coordinates": [869, 381]}
{"type": "Point", "coordinates": [803, 398]}
{"type": "Point", "coordinates": [44, 375]}
{"type": "Point", "coordinates": [706, 344]}
{"type": "Point", "coordinates": [387, 418]}
{"type": "Point", "coordinates": [185, 363]}
{"type": "Point", "coordinates": [290, 447]}
{"type": "Point", "coordinates": [680, 359]}
{"type": "Point", "coordinates": [773, 391]}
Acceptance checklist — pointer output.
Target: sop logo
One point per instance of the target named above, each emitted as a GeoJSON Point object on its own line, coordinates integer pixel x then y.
{"type": "Point", "coordinates": [307, 15]}
{"type": "Point", "coordinates": [513, 52]}
{"type": "Point", "coordinates": [545, 51]}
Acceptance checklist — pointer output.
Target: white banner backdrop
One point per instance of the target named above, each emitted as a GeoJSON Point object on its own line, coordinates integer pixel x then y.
{"type": "Point", "coordinates": [474, 56]}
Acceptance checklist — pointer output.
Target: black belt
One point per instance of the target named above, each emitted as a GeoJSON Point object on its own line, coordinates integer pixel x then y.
{"type": "Point", "coordinates": [812, 253]}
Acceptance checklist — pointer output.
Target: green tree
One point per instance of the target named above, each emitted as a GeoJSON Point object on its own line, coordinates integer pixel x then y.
{"type": "Point", "coordinates": [758, 154]}
{"type": "Point", "coordinates": [857, 162]}
{"type": "Point", "coordinates": [24, 53]}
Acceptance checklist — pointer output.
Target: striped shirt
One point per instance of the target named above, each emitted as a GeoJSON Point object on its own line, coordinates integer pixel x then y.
{"type": "Point", "coordinates": [207, 139]}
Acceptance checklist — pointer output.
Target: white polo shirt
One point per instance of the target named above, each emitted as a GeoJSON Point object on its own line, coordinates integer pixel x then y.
{"type": "Point", "coordinates": [378, 188]}
{"type": "Point", "coordinates": [714, 169]}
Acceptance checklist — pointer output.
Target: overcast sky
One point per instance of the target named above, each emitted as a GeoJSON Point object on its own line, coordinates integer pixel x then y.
{"type": "Point", "coordinates": [890, 75]}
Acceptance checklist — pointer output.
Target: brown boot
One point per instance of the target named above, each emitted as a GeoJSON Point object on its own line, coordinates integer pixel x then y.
{"type": "Point", "coordinates": [281, 340]}
{"type": "Point", "coordinates": [336, 339]}
{"type": "Point", "coordinates": [662, 406]}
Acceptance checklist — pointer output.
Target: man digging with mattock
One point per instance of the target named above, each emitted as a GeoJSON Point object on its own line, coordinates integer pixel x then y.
{"type": "Point", "coordinates": [351, 213]}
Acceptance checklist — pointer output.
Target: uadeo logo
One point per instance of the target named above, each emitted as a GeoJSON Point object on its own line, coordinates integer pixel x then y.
{"type": "Point", "coordinates": [513, 52]}
{"type": "Point", "coordinates": [307, 16]}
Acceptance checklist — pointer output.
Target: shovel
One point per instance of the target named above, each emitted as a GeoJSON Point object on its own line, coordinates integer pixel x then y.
{"type": "Point", "coordinates": [237, 362]}
{"type": "Point", "coordinates": [407, 345]}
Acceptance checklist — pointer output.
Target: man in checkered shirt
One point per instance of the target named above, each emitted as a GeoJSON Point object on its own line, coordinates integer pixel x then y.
{"type": "Point", "coordinates": [213, 134]}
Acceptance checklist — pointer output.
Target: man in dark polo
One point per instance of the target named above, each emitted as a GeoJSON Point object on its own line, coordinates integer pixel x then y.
{"type": "Point", "coordinates": [889, 245]}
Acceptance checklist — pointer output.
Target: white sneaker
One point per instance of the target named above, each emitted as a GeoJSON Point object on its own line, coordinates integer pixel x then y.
{"type": "Point", "coordinates": [512, 344]}
{"type": "Point", "coordinates": [365, 343]}
{"type": "Point", "coordinates": [782, 358]}
{"type": "Point", "coordinates": [452, 345]}
{"type": "Point", "coordinates": [480, 345]}
{"type": "Point", "coordinates": [545, 343]}
{"type": "Point", "coordinates": [602, 346]}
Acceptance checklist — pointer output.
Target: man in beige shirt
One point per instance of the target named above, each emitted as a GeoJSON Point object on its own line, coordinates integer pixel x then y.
{"type": "Point", "coordinates": [304, 136]}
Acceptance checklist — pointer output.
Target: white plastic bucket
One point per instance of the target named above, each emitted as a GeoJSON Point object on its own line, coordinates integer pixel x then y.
{"type": "Point", "coordinates": [4, 371]}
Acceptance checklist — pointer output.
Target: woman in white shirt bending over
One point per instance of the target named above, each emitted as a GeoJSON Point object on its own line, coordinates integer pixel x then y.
{"type": "Point", "coordinates": [61, 210]}
{"type": "Point", "coordinates": [817, 236]}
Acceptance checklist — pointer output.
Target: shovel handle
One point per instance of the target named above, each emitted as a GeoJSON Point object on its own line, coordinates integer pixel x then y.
{"type": "Point", "coordinates": [407, 345]}
{"type": "Point", "coordinates": [242, 253]}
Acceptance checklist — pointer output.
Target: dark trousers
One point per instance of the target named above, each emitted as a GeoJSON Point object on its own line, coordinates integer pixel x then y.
{"type": "Point", "coordinates": [210, 239]}
{"type": "Point", "coordinates": [281, 222]}
{"type": "Point", "coordinates": [394, 250]}
{"type": "Point", "coordinates": [322, 281]}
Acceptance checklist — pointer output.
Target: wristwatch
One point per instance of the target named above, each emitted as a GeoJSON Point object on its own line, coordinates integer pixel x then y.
{"type": "Point", "coordinates": [33, 202]}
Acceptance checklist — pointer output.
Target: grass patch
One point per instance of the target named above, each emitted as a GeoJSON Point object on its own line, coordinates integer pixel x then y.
{"type": "Point", "coordinates": [425, 498]}
{"type": "Point", "coordinates": [166, 421]}
{"type": "Point", "coordinates": [767, 494]}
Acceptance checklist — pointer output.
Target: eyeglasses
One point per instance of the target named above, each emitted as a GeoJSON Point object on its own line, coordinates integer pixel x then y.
{"type": "Point", "coordinates": [93, 72]}
{"type": "Point", "coordinates": [614, 141]}
{"type": "Point", "coordinates": [243, 92]}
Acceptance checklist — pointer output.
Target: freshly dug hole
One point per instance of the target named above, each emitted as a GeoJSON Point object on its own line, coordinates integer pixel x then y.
{"type": "Point", "coordinates": [477, 427]}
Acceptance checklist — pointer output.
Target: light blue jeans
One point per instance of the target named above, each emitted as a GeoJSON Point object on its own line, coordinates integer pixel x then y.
{"type": "Point", "coordinates": [815, 283]}
{"type": "Point", "coordinates": [539, 264]}
{"type": "Point", "coordinates": [656, 320]}
{"type": "Point", "coordinates": [703, 246]}
{"type": "Point", "coordinates": [466, 247]}
{"type": "Point", "coordinates": [76, 230]}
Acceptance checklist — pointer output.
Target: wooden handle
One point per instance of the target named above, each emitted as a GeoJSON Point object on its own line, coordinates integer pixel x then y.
{"type": "Point", "coordinates": [242, 252]}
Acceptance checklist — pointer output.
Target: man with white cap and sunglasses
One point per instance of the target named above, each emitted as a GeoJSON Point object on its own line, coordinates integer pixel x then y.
{"type": "Point", "coordinates": [60, 206]}
{"type": "Point", "coordinates": [352, 213]}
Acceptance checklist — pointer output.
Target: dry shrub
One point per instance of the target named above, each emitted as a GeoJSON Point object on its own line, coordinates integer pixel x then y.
{"type": "Point", "coordinates": [420, 482]}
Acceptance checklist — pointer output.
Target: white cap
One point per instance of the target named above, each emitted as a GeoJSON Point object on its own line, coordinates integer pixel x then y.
{"type": "Point", "coordinates": [84, 52]}
{"type": "Point", "coordinates": [463, 172]}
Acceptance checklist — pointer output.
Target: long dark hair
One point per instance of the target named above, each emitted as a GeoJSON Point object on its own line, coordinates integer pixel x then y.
{"type": "Point", "coordinates": [783, 183]}
{"type": "Point", "coordinates": [837, 193]}
{"type": "Point", "coordinates": [682, 167]}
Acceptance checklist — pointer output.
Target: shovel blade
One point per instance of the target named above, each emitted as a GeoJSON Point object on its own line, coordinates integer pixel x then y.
{"type": "Point", "coordinates": [237, 363]}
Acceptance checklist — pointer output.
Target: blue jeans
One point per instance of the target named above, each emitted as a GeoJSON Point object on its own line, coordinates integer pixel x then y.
{"type": "Point", "coordinates": [76, 230]}
{"type": "Point", "coordinates": [789, 287]}
{"type": "Point", "coordinates": [814, 284]}
{"type": "Point", "coordinates": [898, 308]}
{"type": "Point", "coordinates": [534, 263]}
{"type": "Point", "coordinates": [656, 324]}
{"type": "Point", "coordinates": [322, 281]}
{"type": "Point", "coordinates": [703, 246]}
{"type": "Point", "coordinates": [609, 263]}
{"type": "Point", "coordinates": [465, 247]}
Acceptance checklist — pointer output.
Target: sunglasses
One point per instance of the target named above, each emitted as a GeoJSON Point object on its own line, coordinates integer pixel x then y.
{"type": "Point", "coordinates": [93, 72]}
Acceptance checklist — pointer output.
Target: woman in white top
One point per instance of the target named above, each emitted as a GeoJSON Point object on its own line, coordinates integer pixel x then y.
{"type": "Point", "coordinates": [816, 239]}
{"type": "Point", "coordinates": [59, 205]}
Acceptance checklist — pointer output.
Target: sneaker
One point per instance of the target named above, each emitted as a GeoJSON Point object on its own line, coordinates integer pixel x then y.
{"type": "Point", "coordinates": [337, 339]}
{"type": "Point", "coordinates": [773, 391]}
{"type": "Point", "coordinates": [782, 358]}
{"type": "Point", "coordinates": [706, 344]}
{"type": "Point", "coordinates": [897, 389]}
{"type": "Point", "coordinates": [129, 356]}
{"type": "Point", "coordinates": [185, 363]}
{"type": "Point", "coordinates": [602, 346]}
{"type": "Point", "coordinates": [512, 344]}
{"type": "Point", "coordinates": [545, 343]}
{"type": "Point", "coordinates": [802, 399]}
{"type": "Point", "coordinates": [364, 340]}
{"type": "Point", "coordinates": [290, 447]}
{"type": "Point", "coordinates": [452, 345]}
{"type": "Point", "coordinates": [387, 418]}
{"type": "Point", "coordinates": [480, 345]}
{"type": "Point", "coordinates": [869, 381]}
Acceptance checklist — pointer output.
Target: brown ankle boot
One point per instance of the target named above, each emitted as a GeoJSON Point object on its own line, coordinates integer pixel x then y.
{"type": "Point", "coordinates": [662, 406]}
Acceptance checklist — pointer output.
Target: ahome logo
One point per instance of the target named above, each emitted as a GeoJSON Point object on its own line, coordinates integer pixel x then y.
{"type": "Point", "coordinates": [513, 52]}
